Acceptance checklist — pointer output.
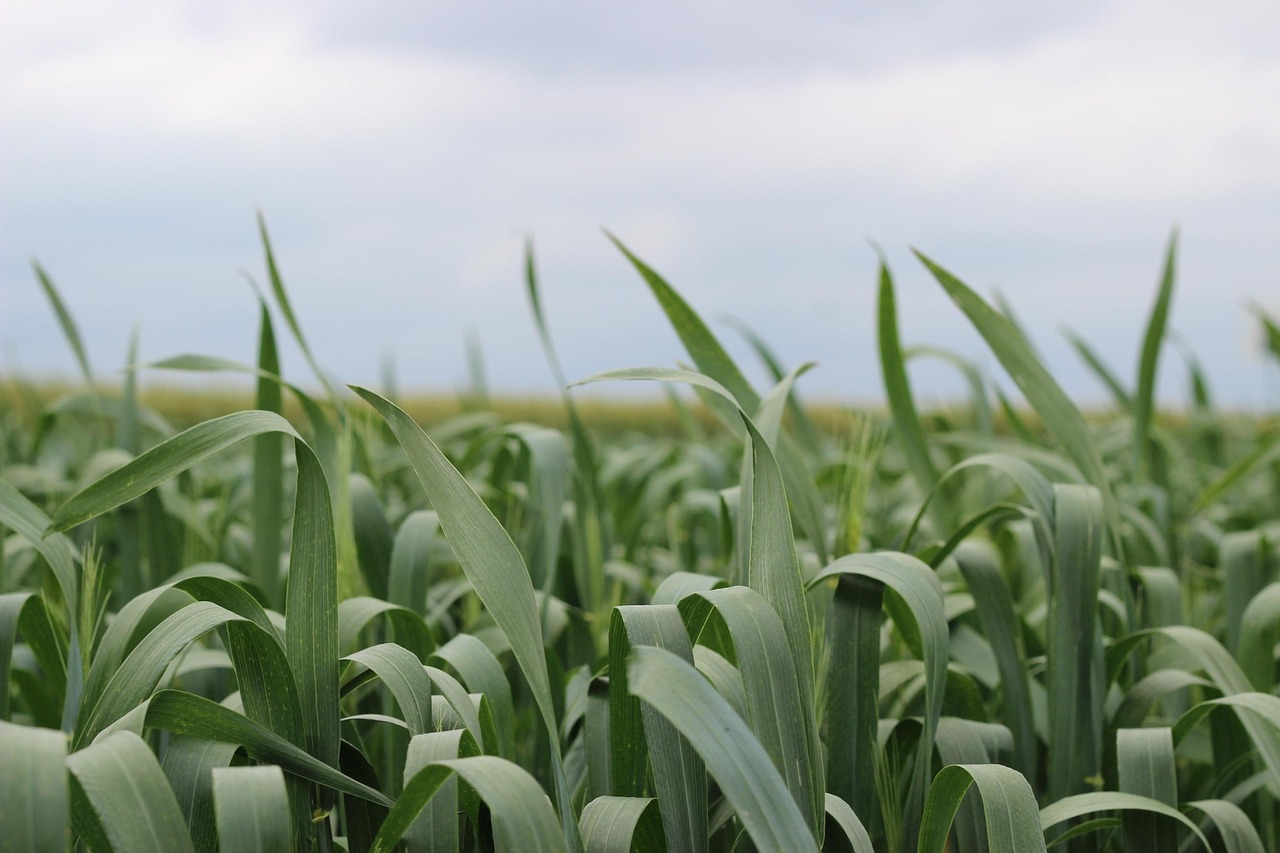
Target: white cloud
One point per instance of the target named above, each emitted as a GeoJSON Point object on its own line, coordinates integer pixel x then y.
{"type": "Point", "coordinates": [390, 167]}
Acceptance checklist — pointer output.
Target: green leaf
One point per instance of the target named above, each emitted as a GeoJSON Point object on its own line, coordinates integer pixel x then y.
{"type": "Point", "coordinates": [252, 809]}
{"type": "Point", "coordinates": [268, 467]}
{"type": "Point", "coordinates": [523, 819]}
{"type": "Point", "coordinates": [188, 764]}
{"type": "Point", "coordinates": [1264, 449]}
{"type": "Point", "coordinates": [622, 825]}
{"type": "Point", "coordinates": [897, 387]}
{"type": "Point", "coordinates": [131, 801]}
{"type": "Point", "coordinates": [1079, 805]}
{"type": "Point", "coordinates": [1074, 642]}
{"type": "Point", "coordinates": [1259, 633]}
{"type": "Point", "coordinates": [712, 359]}
{"type": "Point", "coordinates": [639, 734]}
{"type": "Point", "coordinates": [919, 589]}
{"type": "Point", "coordinates": [1144, 398]}
{"type": "Point", "coordinates": [1007, 802]}
{"type": "Point", "coordinates": [188, 714]}
{"type": "Point", "coordinates": [733, 756]}
{"type": "Point", "coordinates": [773, 567]}
{"type": "Point", "coordinates": [409, 576]}
{"type": "Point", "coordinates": [436, 827]}
{"type": "Point", "coordinates": [1057, 411]}
{"type": "Point", "coordinates": [493, 565]}
{"type": "Point", "coordinates": [481, 672]}
{"type": "Point", "coordinates": [1145, 762]}
{"type": "Point", "coordinates": [841, 815]}
{"type": "Point", "coordinates": [34, 811]}
{"type": "Point", "coordinates": [405, 677]}
{"type": "Point", "coordinates": [1234, 827]}
{"type": "Point", "coordinates": [776, 711]}
{"type": "Point", "coordinates": [1122, 399]}
{"type": "Point", "coordinates": [67, 324]}
{"type": "Point", "coordinates": [372, 534]}
{"type": "Point", "coordinates": [164, 462]}
{"type": "Point", "coordinates": [994, 602]}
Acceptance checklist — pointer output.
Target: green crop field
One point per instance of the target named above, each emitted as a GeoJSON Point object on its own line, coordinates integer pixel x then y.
{"type": "Point", "coordinates": [743, 624]}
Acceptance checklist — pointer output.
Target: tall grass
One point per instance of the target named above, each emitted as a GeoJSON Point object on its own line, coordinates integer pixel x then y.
{"type": "Point", "coordinates": [313, 625]}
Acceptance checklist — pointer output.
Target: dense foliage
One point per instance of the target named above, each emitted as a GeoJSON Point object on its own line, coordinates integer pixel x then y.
{"type": "Point", "coordinates": [1001, 626]}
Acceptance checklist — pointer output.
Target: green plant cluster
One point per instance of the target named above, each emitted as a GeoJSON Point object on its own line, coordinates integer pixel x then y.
{"type": "Point", "coordinates": [1003, 627]}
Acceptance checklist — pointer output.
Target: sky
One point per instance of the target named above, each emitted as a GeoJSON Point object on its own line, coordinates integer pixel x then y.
{"type": "Point", "coordinates": [752, 152]}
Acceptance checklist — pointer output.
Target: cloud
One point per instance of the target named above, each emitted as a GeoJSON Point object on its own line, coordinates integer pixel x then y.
{"type": "Point", "coordinates": [745, 151]}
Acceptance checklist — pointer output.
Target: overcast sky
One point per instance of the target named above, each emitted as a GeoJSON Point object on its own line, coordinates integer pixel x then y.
{"type": "Point", "coordinates": [402, 151]}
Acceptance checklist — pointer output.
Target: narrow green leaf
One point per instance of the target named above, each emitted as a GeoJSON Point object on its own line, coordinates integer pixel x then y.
{"type": "Point", "coordinates": [1008, 804]}
{"type": "Point", "coordinates": [1234, 827]}
{"type": "Point", "coordinates": [1259, 633]}
{"type": "Point", "coordinates": [436, 827]}
{"type": "Point", "coordinates": [482, 672]}
{"type": "Point", "coordinates": [1100, 369]}
{"type": "Point", "coordinates": [372, 534]}
{"type": "Point", "coordinates": [853, 691]}
{"type": "Point", "coordinates": [622, 825]}
{"type": "Point", "coordinates": [776, 711]}
{"type": "Point", "coordinates": [493, 565]}
{"type": "Point", "coordinates": [639, 734]}
{"type": "Point", "coordinates": [733, 756]}
{"type": "Point", "coordinates": [164, 462]}
{"type": "Point", "coordinates": [1145, 762]}
{"type": "Point", "coordinates": [1144, 398]}
{"type": "Point", "coordinates": [67, 323]}
{"type": "Point", "coordinates": [994, 602]}
{"type": "Point", "coordinates": [1074, 642]}
{"type": "Point", "coordinates": [1057, 411]}
{"type": "Point", "coordinates": [1265, 448]}
{"type": "Point", "coordinates": [34, 810]}
{"type": "Point", "coordinates": [897, 387]}
{"type": "Point", "coordinates": [268, 468]}
{"type": "Point", "coordinates": [404, 675]}
{"type": "Point", "coordinates": [523, 819]}
{"type": "Point", "coordinates": [130, 796]}
{"type": "Point", "coordinates": [483, 547]}
{"type": "Point", "coordinates": [840, 814]}
{"type": "Point", "coordinates": [252, 809]}
{"type": "Point", "coordinates": [920, 590]}
{"type": "Point", "coordinates": [286, 309]}
{"type": "Point", "coordinates": [1079, 805]}
{"type": "Point", "coordinates": [188, 764]}
{"type": "Point", "coordinates": [185, 713]}
{"type": "Point", "coordinates": [409, 576]}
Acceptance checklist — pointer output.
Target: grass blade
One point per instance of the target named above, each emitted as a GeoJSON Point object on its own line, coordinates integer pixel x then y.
{"type": "Point", "coordinates": [164, 462]}
{"type": "Point", "coordinates": [1144, 398]}
{"type": "Point", "coordinates": [1093, 802]}
{"type": "Point", "coordinates": [523, 819]}
{"type": "Point", "coordinates": [268, 467]}
{"type": "Point", "coordinates": [924, 618]}
{"type": "Point", "coordinates": [622, 825]}
{"type": "Point", "coordinates": [129, 799]}
{"type": "Point", "coordinates": [1145, 763]}
{"type": "Point", "coordinates": [1059, 414]}
{"type": "Point", "coordinates": [252, 809]}
{"type": "Point", "coordinates": [1007, 802]}
{"type": "Point", "coordinates": [185, 713]}
{"type": "Point", "coordinates": [732, 754]}
{"type": "Point", "coordinates": [897, 387]}
{"type": "Point", "coordinates": [34, 811]}
{"type": "Point", "coordinates": [493, 565]}
{"type": "Point", "coordinates": [640, 735]}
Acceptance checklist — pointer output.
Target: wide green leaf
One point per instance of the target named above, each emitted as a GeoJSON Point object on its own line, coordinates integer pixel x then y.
{"type": "Point", "coordinates": [129, 802]}
{"type": "Point", "coordinates": [252, 809]}
{"type": "Point", "coordinates": [737, 761]}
